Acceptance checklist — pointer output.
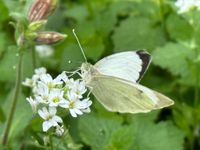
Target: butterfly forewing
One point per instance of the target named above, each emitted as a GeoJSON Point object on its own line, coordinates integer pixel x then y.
{"type": "Point", "coordinates": [129, 65]}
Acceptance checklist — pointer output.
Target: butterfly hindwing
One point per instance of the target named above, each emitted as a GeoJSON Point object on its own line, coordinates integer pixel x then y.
{"type": "Point", "coordinates": [119, 95]}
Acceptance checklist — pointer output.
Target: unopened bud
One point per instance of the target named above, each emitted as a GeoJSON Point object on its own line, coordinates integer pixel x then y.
{"type": "Point", "coordinates": [49, 37]}
{"type": "Point", "coordinates": [36, 25]}
{"type": "Point", "coordinates": [41, 9]}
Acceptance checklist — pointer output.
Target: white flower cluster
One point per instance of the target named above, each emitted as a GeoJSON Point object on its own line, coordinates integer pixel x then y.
{"type": "Point", "coordinates": [187, 5]}
{"type": "Point", "coordinates": [50, 94]}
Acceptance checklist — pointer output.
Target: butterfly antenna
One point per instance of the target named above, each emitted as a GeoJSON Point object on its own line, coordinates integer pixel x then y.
{"type": "Point", "coordinates": [82, 51]}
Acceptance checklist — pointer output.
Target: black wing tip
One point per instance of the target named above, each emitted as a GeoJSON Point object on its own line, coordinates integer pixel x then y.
{"type": "Point", "coordinates": [146, 59]}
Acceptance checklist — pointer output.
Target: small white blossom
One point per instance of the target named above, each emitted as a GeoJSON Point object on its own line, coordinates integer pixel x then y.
{"type": "Point", "coordinates": [187, 5]}
{"type": "Point", "coordinates": [62, 77]}
{"type": "Point", "coordinates": [49, 81]}
{"type": "Point", "coordinates": [56, 98]}
{"type": "Point", "coordinates": [35, 78]}
{"type": "Point", "coordinates": [50, 117]}
{"type": "Point", "coordinates": [59, 130]}
{"type": "Point", "coordinates": [76, 106]}
{"type": "Point", "coordinates": [33, 103]}
{"type": "Point", "coordinates": [78, 87]}
{"type": "Point", "coordinates": [42, 93]}
{"type": "Point", "coordinates": [44, 51]}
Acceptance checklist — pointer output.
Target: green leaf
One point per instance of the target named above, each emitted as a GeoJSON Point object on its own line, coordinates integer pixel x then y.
{"type": "Point", "coordinates": [13, 5]}
{"type": "Point", "coordinates": [4, 11]}
{"type": "Point", "coordinates": [8, 63]}
{"type": "Point", "coordinates": [137, 33]}
{"type": "Point", "coordinates": [164, 135]}
{"type": "Point", "coordinates": [173, 57]}
{"type": "Point", "coordinates": [2, 115]}
{"type": "Point", "coordinates": [72, 54]}
{"type": "Point", "coordinates": [121, 139]}
{"type": "Point", "coordinates": [105, 21]}
{"type": "Point", "coordinates": [96, 131]}
{"type": "Point", "coordinates": [3, 43]}
{"type": "Point", "coordinates": [79, 12]}
{"type": "Point", "coordinates": [22, 116]}
{"type": "Point", "coordinates": [93, 42]}
{"type": "Point", "coordinates": [179, 28]}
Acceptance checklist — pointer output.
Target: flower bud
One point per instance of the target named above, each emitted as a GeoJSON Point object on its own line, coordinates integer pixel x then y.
{"type": "Point", "coordinates": [41, 9]}
{"type": "Point", "coordinates": [49, 37]}
{"type": "Point", "coordinates": [36, 25]}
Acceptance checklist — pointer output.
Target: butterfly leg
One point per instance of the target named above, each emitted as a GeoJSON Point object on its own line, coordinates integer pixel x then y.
{"type": "Point", "coordinates": [90, 90]}
{"type": "Point", "coordinates": [73, 72]}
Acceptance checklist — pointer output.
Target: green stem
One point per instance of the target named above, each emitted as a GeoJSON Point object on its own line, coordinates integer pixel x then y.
{"type": "Point", "coordinates": [33, 58]}
{"type": "Point", "coordinates": [197, 88]}
{"type": "Point", "coordinates": [51, 142]}
{"type": "Point", "coordinates": [196, 94]}
{"type": "Point", "coordinates": [14, 101]}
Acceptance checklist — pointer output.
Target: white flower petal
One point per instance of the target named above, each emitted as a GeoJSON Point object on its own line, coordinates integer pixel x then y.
{"type": "Point", "coordinates": [52, 110]}
{"type": "Point", "coordinates": [46, 125]}
{"type": "Point", "coordinates": [42, 114]}
{"type": "Point", "coordinates": [53, 122]}
{"type": "Point", "coordinates": [77, 111]}
{"type": "Point", "coordinates": [33, 103]}
{"type": "Point", "coordinates": [72, 112]}
{"type": "Point", "coordinates": [87, 110]}
{"type": "Point", "coordinates": [28, 82]}
{"type": "Point", "coordinates": [57, 119]}
{"type": "Point", "coordinates": [64, 104]}
{"type": "Point", "coordinates": [61, 77]}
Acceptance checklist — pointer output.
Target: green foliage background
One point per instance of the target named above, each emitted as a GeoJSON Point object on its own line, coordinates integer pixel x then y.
{"type": "Point", "coordinates": [105, 27]}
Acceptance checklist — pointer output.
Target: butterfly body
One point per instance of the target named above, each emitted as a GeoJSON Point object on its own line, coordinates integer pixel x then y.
{"type": "Point", "coordinates": [114, 82]}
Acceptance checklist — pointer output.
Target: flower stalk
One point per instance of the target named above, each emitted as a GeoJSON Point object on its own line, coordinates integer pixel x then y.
{"type": "Point", "coordinates": [14, 101]}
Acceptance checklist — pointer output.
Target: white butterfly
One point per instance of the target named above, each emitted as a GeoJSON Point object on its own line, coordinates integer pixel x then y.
{"type": "Point", "coordinates": [114, 82]}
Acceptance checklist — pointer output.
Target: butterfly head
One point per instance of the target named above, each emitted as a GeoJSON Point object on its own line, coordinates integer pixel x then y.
{"type": "Point", "coordinates": [87, 71]}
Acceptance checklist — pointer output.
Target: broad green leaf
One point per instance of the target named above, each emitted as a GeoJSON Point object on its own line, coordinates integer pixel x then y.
{"type": "Point", "coordinates": [4, 11]}
{"type": "Point", "coordinates": [105, 21]}
{"type": "Point", "coordinates": [173, 57]}
{"type": "Point", "coordinates": [79, 12]}
{"type": "Point", "coordinates": [22, 116]}
{"type": "Point", "coordinates": [121, 139]}
{"type": "Point", "coordinates": [179, 28]}
{"type": "Point", "coordinates": [71, 58]}
{"type": "Point", "coordinates": [13, 5]}
{"type": "Point", "coordinates": [164, 135]}
{"type": "Point", "coordinates": [96, 131]}
{"type": "Point", "coordinates": [8, 64]}
{"type": "Point", "coordinates": [143, 117]}
{"type": "Point", "coordinates": [137, 33]}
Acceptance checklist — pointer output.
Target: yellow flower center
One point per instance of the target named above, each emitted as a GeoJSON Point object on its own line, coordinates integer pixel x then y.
{"type": "Point", "coordinates": [56, 99]}
{"type": "Point", "coordinates": [49, 117]}
{"type": "Point", "coordinates": [72, 104]}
